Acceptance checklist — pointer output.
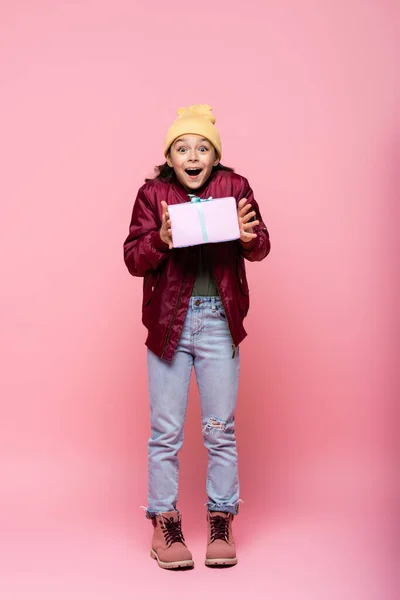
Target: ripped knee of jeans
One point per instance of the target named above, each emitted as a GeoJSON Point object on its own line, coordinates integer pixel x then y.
{"type": "Point", "coordinates": [213, 425]}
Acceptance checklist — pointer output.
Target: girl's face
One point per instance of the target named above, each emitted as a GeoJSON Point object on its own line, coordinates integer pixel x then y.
{"type": "Point", "coordinates": [192, 157]}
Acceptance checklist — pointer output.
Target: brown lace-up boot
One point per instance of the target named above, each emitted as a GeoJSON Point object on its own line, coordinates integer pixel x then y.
{"type": "Point", "coordinates": [221, 549]}
{"type": "Point", "coordinates": [168, 547]}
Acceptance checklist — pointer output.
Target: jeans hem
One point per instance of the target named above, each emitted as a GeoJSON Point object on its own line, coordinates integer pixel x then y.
{"type": "Point", "coordinates": [152, 514]}
{"type": "Point", "coordinates": [227, 508]}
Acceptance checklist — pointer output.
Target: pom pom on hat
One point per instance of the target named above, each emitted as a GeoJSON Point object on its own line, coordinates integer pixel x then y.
{"type": "Point", "coordinates": [197, 119]}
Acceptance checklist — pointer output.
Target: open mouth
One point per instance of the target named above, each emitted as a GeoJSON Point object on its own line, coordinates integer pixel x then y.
{"type": "Point", "coordinates": [193, 172]}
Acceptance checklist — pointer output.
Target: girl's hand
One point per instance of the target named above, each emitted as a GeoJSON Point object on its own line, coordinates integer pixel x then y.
{"type": "Point", "coordinates": [244, 217]}
{"type": "Point", "coordinates": [165, 231]}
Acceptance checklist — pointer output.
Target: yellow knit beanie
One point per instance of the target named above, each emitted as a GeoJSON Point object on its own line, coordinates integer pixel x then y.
{"type": "Point", "coordinates": [196, 119]}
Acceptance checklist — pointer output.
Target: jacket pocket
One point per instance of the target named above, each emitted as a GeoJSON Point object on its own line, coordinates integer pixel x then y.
{"type": "Point", "coordinates": [241, 271]}
{"type": "Point", "coordinates": [149, 286]}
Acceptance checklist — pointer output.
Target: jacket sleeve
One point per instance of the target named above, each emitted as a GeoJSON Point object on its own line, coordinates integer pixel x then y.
{"type": "Point", "coordinates": [144, 251]}
{"type": "Point", "coordinates": [258, 248]}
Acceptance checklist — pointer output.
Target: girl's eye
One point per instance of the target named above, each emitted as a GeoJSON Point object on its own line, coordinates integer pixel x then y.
{"type": "Point", "coordinates": [203, 149]}
{"type": "Point", "coordinates": [181, 149]}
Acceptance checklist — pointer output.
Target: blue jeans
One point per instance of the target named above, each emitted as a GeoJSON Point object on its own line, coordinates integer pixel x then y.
{"type": "Point", "coordinates": [206, 344]}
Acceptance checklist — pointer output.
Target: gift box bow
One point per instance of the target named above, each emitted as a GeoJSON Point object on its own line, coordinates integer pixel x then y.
{"type": "Point", "coordinates": [198, 201]}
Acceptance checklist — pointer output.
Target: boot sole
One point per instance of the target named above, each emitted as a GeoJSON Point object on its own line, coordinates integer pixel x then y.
{"type": "Point", "coordinates": [177, 564]}
{"type": "Point", "coordinates": [221, 562]}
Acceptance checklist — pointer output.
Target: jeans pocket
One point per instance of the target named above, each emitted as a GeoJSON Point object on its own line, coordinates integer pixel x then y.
{"type": "Point", "coordinates": [221, 315]}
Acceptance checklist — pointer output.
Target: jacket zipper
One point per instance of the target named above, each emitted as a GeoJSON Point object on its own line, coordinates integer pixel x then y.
{"type": "Point", "coordinates": [173, 317]}
{"type": "Point", "coordinates": [226, 312]}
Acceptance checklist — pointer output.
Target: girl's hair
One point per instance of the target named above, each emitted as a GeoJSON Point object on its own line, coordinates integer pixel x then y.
{"type": "Point", "coordinates": [167, 174]}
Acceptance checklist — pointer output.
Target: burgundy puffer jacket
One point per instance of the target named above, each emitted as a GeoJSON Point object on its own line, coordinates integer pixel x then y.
{"type": "Point", "coordinates": [169, 275]}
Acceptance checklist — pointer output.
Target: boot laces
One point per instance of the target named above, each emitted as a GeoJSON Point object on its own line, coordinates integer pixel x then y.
{"type": "Point", "coordinates": [219, 528]}
{"type": "Point", "coordinates": [172, 531]}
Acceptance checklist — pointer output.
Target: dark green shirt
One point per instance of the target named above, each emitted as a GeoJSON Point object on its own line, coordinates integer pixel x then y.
{"type": "Point", "coordinates": [204, 284]}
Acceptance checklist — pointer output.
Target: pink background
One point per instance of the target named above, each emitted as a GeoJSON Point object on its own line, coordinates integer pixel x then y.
{"type": "Point", "coordinates": [306, 98]}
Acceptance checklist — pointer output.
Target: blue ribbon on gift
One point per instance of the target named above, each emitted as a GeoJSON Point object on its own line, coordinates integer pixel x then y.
{"type": "Point", "coordinates": [196, 199]}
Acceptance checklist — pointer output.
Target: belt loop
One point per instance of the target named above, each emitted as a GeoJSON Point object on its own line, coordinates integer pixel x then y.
{"type": "Point", "coordinates": [213, 305]}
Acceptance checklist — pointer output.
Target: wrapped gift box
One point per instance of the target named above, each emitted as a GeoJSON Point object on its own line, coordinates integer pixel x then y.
{"type": "Point", "coordinates": [204, 221]}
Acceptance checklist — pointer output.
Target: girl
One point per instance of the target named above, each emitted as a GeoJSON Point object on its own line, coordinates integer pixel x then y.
{"type": "Point", "coordinates": [194, 303]}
